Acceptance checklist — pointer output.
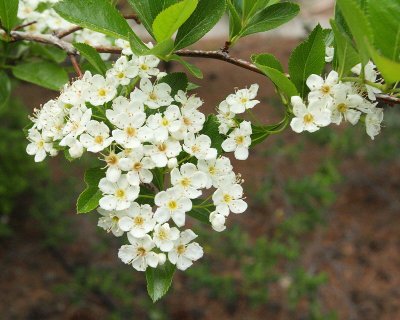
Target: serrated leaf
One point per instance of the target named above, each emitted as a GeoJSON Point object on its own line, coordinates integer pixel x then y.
{"type": "Point", "coordinates": [92, 56]}
{"type": "Point", "coordinates": [210, 129]}
{"type": "Point", "coordinates": [266, 64]}
{"type": "Point", "coordinates": [137, 45]}
{"type": "Point", "coordinates": [359, 26]}
{"type": "Point", "coordinates": [203, 19]}
{"type": "Point", "coordinates": [148, 10]}
{"type": "Point", "coordinates": [190, 67]}
{"type": "Point", "coordinates": [308, 58]}
{"type": "Point", "coordinates": [44, 73]}
{"type": "Point", "coordinates": [177, 81]}
{"type": "Point", "coordinates": [5, 89]}
{"type": "Point", "coordinates": [8, 13]}
{"type": "Point", "coordinates": [345, 53]}
{"type": "Point", "coordinates": [271, 18]}
{"type": "Point", "coordinates": [97, 15]}
{"type": "Point", "coordinates": [159, 280]}
{"type": "Point", "coordinates": [49, 52]}
{"type": "Point", "coordinates": [169, 20]}
{"type": "Point", "coordinates": [90, 197]}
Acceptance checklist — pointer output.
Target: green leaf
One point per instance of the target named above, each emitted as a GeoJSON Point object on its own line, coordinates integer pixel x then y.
{"type": "Point", "coordinates": [158, 174]}
{"type": "Point", "coordinates": [191, 67]}
{"type": "Point", "coordinates": [271, 18]}
{"type": "Point", "coordinates": [48, 52]}
{"type": "Point", "coordinates": [8, 13]}
{"type": "Point", "coordinates": [389, 69]}
{"type": "Point", "coordinates": [358, 25]}
{"type": "Point", "coordinates": [5, 89]}
{"type": "Point", "coordinates": [201, 210]}
{"type": "Point", "coordinates": [210, 129]}
{"type": "Point", "coordinates": [148, 10]}
{"type": "Point", "coordinates": [159, 280]}
{"type": "Point", "coordinates": [260, 133]}
{"type": "Point", "coordinates": [169, 20]}
{"type": "Point", "coordinates": [203, 19]}
{"type": "Point", "coordinates": [269, 60]}
{"type": "Point", "coordinates": [162, 49]}
{"type": "Point", "coordinates": [90, 197]}
{"type": "Point", "coordinates": [235, 21]}
{"type": "Point", "coordinates": [308, 58]}
{"type": "Point", "coordinates": [177, 81]}
{"type": "Point", "coordinates": [137, 45]}
{"type": "Point", "coordinates": [97, 15]}
{"type": "Point", "coordinates": [384, 15]}
{"type": "Point", "coordinates": [344, 51]}
{"type": "Point", "coordinates": [92, 56]}
{"type": "Point", "coordinates": [266, 64]}
{"type": "Point", "coordinates": [44, 73]}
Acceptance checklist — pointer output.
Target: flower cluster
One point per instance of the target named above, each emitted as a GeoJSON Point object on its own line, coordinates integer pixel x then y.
{"type": "Point", "coordinates": [142, 132]}
{"type": "Point", "coordinates": [334, 101]}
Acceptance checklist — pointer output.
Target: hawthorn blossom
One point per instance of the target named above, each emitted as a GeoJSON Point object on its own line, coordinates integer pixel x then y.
{"type": "Point", "coordinates": [97, 136]}
{"type": "Point", "coordinates": [329, 53]}
{"type": "Point", "coordinates": [122, 105]}
{"type": "Point", "coordinates": [239, 141]}
{"type": "Point", "coordinates": [118, 195]}
{"type": "Point", "coordinates": [187, 180]}
{"type": "Point", "coordinates": [225, 117]}
{"type": "Point", "coordinates": [138, 253]}
{"type": "Point", "coordinates": [370, 74]}
{"type": "Point", "coordinates": [171, 204]}
{"type": "Point", "coordinates": [125, 46]}
{"type": "Point", "coordinates": [138, 220]}
{"type": "Point", "coordinates": [109, 221]}
{"type": "Point", "coordinates": [161, 151]}
{"type": "Point", "coordinates": [192, 120]}
{"type": "Point", "coordinates": [184, 253]}
{"type": "Point", "coordinates": [242, 100]}
{"type": "Point", "coordinates": [199, 146]}
{"type": "Point", "coordinates": [163, 124]}
{"type": "Point", "coordinates": [147, 65]}
{"type": "Point", "coordinates": [322, 89]}
{"type": "Point", "coordinates": [215, 170]}
{"type": "Point", "coordinates": [40, 146]}
{"type": "Point", "coordinates": [76, 93]}
{"type": "Point", "coordinates": [217, 221]}
{"type": "Point", "coordinates": [78, 119]}
{"type": "Point", "coordinates": [229, 198]}
{"type": "Point", "coordinates": [164, 236]}
{"type": "Point", "coordinates": [138, 167]}
{"type": "Point", "coordinates": [373, 122]}
{"type": "Point", "coordinates": [113, 162]}
{"type": "Point", "coordinates": [122, 71]}
{"type": "Point", "coordinates": [188, 103]}
{"type": "Point", "coordinates": [153, 96]}
{"type": "Point", "coordinates": [102, 90]}
{"type": "Point", "coordinates": [345, 106]}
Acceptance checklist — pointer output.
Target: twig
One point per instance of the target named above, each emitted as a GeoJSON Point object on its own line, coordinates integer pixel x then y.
{"type": "Point", "coordinates": [76, 66]}
{"type": "Point", "coordinates": [24, 25]}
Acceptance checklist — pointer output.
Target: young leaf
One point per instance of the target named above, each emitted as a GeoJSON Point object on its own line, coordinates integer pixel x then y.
{"type": "Point", "coordinates": [44, 73]}
{"type": "Point", "coordinates": [90, 197]}
{"type": "Point", "coordinates": [5, 89]}
{"type": "Point", "coordinates": [177, 81]}
{"type": "Point", "coordinates": [137, 45]}
{"type": "Point", "coordinates": [97, 15]}
{"type": "Point", "coordinates": [162, 49]}
{"type": "Point", "coordinates": [210, 129]}
{"type": "Point", "coordinates": [235, 22]}
{"type": "Point", "coordinates": [358, 25]}
{"type": "Point", "coordinates": [92, 56]}
{"type": "Point", "coordinates": [148, 10]}
{"type": "Point", "coordinates": [267, 65]}
{"type": "Point", "coordinates": [203, 19]}
{"type": "Point", "coordinates": [8, 13]}
{"type": "Point", "coordinates": [271, 18]}
{"type": "Point", "coordinates": [345, 52]}
{"type": "Point", "coordinates": [389, 69]}
{"type": "Point", "coordinates": [191, 67]}
{"type": "Point", "coordinates": [169, 20]}
{"type": "Point", "coordinates": [308, 58]}
{"type": "Point", "coordinates": [159, 280]}
{"type": "Point", "coordinates": [48, 52]}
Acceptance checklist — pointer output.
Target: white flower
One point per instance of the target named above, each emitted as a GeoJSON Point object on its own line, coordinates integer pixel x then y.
{"type": "Point", "coordinates": [122, 105]}
{"type": "Point", "coordinates": [217, 221]}
{"type": "Point", "coordinates": [75, 146]}
{"type": "Point", "coordinates": [101, 90]}
{"type": "Point", "coordinates": [199, 147]}
{"type": "Point", "coordinates": [345, 106]}
{"type": "Point", "coordinates": [215, 169]}
{"type": "Point", "coordinates": [373, 122]}
{"type": "Point", "coordinates": [139, 253]}
{"type": "Point", "coordinates": [225, 117]}
{"type": "Point", "coordinates": [155, 96]}
{"type": "Point", "coordinates": [309, 118]}
{"type": "Point", "coordinates": [147, 65]}
{"type": "Point", "coordinates": [239, 141]}
{"type": "Point", "coordinates": [113, 162]}
{"type": "Point", "coordinates": [320, 88]}
{"type": "Point", "coordinates": [138, 220]}
{"type": "Point", "coordinates": [76, 94]}
{"type": "Point", "coordinates": [184, 253]}
{"type": "Point", "coordinates": [78, 118]}
{"type": "Point", "coordinates": [163, 124]}
{"type": "Point", "coordinates": [109, 221]}
{"type": "Point", "coordinates": [243, 99]}
{"type": "Point", "coordinates": [97, 136]}
{"type": "Point", "coordinates": [229, 198]}
{"type": "Point", "coordinates": [122, 71]}
{"type": "Point", "coordinates": [138, 167]}
{"type": "Point", "coordinates": [171, 205]}
{"type": "Point", "coordinates": [329, 53]}
{"type": "Point", "coordinates": [118, 195]}
{"type": "Point", "coordinates": [39, 146]}
{"type": "Point", "coordinates": [188, 180]}
{"type": "Point", "coordinates": [125, 46]}
{"type": "Point", "coordinates": [161, 151]}
{"type": "Point", "coordinates": [164, 236]}
{"type": "Point", "coordinates": [192, 120]}
{"type": "Point", "coordinates": [370, 74]}
{"type": "Point", "coordinates": [188, 103]}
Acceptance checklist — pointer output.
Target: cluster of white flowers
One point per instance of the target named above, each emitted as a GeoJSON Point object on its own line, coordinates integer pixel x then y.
{"type": "Point", "coordinates": [334, 101]}
{"type": "Point", "coordinates": [140, 132]}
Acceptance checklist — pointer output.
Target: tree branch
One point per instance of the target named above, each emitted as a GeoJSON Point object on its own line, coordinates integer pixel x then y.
{"type": "Point", "coordinates": [216, 55]}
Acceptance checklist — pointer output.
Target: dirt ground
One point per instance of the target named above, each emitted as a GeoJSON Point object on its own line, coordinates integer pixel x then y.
{"type": "Point", "coordinates": [358, 248]}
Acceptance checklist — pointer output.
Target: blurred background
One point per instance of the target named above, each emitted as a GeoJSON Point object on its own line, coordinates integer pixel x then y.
{"type": "Point", "coordinates": [320, 239]}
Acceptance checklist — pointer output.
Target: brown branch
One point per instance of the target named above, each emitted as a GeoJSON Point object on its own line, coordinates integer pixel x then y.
{"type": "Point", "coordinates": [76, 66]}
{"type": "Point", "coordinates": [24, 25]}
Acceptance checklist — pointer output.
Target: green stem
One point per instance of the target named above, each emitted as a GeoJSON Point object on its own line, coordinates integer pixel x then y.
{"type": "Point", "coordinates": [253, 117]}
{"type": "Point", "coordinates": [363, 81]}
